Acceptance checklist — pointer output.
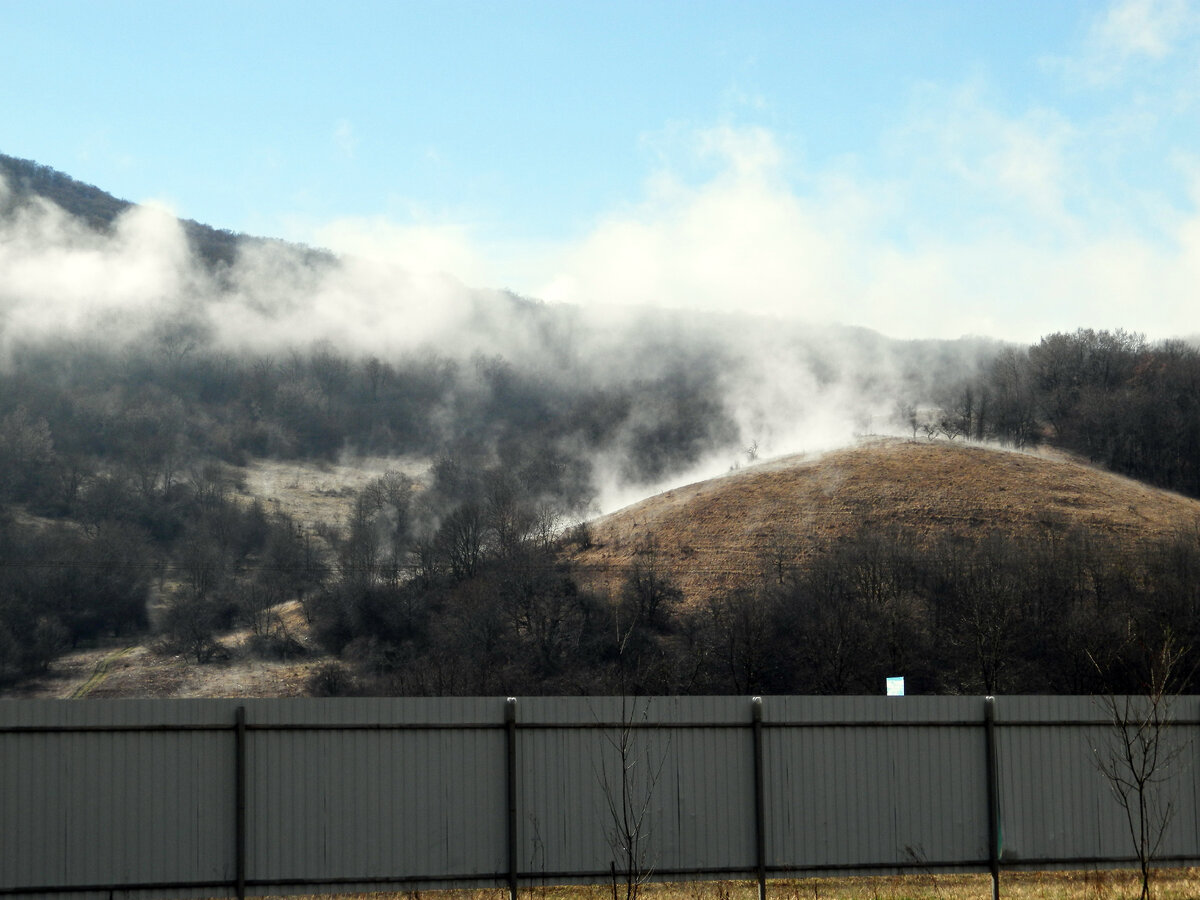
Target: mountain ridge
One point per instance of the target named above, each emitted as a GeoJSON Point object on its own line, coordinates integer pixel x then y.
{"type": "Point", "coordinates": [28, 180]}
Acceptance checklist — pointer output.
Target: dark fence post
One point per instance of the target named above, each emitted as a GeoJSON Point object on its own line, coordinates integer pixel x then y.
{"type": "Point", "coordinates": [510, 730]}
{"type": "Point", "coordinates": [239, 778]}
{"type": "Point", "coordinates": [760, 814]}
{"type": "Point", "coordinates": [993, 793]}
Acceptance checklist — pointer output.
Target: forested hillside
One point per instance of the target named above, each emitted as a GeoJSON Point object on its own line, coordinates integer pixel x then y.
{"type": "Point", "coordinates": [130, 405]}
{"type": "Point", "coordinates": [1112, 397]}
{"type": "Point", "coordinates": [29, 182]}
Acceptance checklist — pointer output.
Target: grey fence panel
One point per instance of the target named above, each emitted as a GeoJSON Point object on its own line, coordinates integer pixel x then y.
{"type": "Point", "coordinates": [369, 794]}
{"type": "Point", "coordinates": [714, 771]}
{"type": "Point", "coordinates": [1065, 812]}
{"type": "Point", "coordinates": [893, 786]}
{"type": "Point", "coordinates": [172, 799]}
{"type": "Point", "coordinates": [1058, 809]}
{"type": "Point", "coordinates": [114, 806]}
{"type": "Point", "coordinates": [690, 767]}
{"type": "Point", "coordinates": [327, 806]}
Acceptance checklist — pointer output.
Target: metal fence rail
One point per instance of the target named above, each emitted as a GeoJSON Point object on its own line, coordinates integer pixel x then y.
{"type": "Point", "coordinates": [204, 798]}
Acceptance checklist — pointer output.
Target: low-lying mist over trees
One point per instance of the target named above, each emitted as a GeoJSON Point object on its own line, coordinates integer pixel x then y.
{"type": "Point", "coordinates": [291, 353]}
{"type": "Point", "coordinates": [142, 362]}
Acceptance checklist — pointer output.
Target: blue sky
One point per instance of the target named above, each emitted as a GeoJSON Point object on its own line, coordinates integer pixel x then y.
{"type": "Point", "coordinates": [923, 168]}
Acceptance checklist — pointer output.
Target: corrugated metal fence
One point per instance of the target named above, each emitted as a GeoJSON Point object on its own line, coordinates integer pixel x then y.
{"type": "Point", "coordinates": [205, 798]}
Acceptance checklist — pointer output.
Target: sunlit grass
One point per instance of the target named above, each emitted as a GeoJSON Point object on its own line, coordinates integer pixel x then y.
{"type": "Point", "coordinates": [1168, 884]}
{"type": "Point", "coordinates": [927, 489]}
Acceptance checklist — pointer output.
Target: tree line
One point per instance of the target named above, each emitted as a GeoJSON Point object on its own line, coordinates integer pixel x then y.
{"type": "Point", "coordinates": [1113, 397]}
{"type": "Point", "coordinates": [119, 473]}
{"type": "Point", "coordinates": [119, 484]}
{"type": "Point", "coordinates": [495, 604]}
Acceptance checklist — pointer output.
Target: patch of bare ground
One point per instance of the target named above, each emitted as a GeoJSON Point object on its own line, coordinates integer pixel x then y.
{"type": "Point", "coordinates": [313, 492]}
{"type": "Point", "coordinates": [147, 670]}
{"type": "Point", "coordinates": [726, 533]}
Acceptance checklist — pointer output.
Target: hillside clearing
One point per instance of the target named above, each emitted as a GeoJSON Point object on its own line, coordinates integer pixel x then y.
{"type": "Point", "coordinates": [312, 493]}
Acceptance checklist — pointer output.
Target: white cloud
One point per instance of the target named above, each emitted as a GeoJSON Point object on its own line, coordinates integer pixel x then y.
{"type": "Point", "coordinates": [984, 222]}
{"type": "Point", "coordinates": [1148, 28]}
{"type": "Point", "coordinates": [421, 249]}
{"type": "Point", "coordinates": [276, 301]}
{"type": "Point", "coordinates": [1131, 33]}
{"type": "Point", "coordinates": [739, 241]}
{"type": "Point", "coordinates": [992, 233]}
{"type": "Point", "coordinates": [979, 166]}
{"type": "Point", "coordinates": [981, 221]}
{"type": "Point", "coordinates": [746, 152]}
{"type": "Point", "coordinates": [344, 138]}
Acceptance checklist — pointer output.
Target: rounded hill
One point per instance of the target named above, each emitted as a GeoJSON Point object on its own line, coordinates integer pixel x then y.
{"type": "Point", "coordinates": [724, 533]}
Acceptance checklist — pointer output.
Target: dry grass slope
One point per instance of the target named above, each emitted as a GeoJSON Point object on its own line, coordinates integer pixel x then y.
{"type": "Point", "coordinates": [727, 532]}
{"type": "Point", "coordinates": [116, 670]}
{"type": "Point", "coordinates": [712, 536]}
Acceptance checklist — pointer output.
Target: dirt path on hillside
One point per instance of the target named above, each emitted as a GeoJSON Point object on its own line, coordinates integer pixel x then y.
{"type": "Point", "coordinates": [99, 673]}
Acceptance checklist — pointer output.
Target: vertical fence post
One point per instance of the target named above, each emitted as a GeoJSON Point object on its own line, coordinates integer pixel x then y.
{"type": "Point", "coordinates": [993, 793]}
{"type": "Point", "coordinates": [760, 816]}
{"type": "Point", "coordinates": [510, 731]}
{"type": "Point", "coordinates": [239, 787]}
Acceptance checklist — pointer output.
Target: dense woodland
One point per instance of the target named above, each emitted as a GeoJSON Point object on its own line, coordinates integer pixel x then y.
{"type": "Point", "coordinates": [119, 481]}
{"type": "Point", "coordinates": [120, 477]}
{"type": "Point", "coordinates": [1111, 397]}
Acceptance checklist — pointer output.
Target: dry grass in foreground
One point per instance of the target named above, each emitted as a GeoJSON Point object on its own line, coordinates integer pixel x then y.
{"type": "Point", "coordinates": [1169, 884]}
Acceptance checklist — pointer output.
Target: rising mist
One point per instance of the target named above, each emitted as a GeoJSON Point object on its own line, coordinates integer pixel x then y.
{"type": "Point", "coordinates": [641, 398]}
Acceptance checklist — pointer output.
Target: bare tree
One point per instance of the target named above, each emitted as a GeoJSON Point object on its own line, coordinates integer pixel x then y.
{"type": "Point", "coordinates": [461, 539]}
{"type": "Point", "coordinates": [649, 592]}
{"type": "Point", "coordinates": [628, 793]}
{"type": "Point", "coordinates": [907, 414]}
{"type": "Point", "coordinates": [190, 626]}
{"type": "Point", "coordinates": [739, 632]}
{"type": "Point", "coordinates": [1139, 755]}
